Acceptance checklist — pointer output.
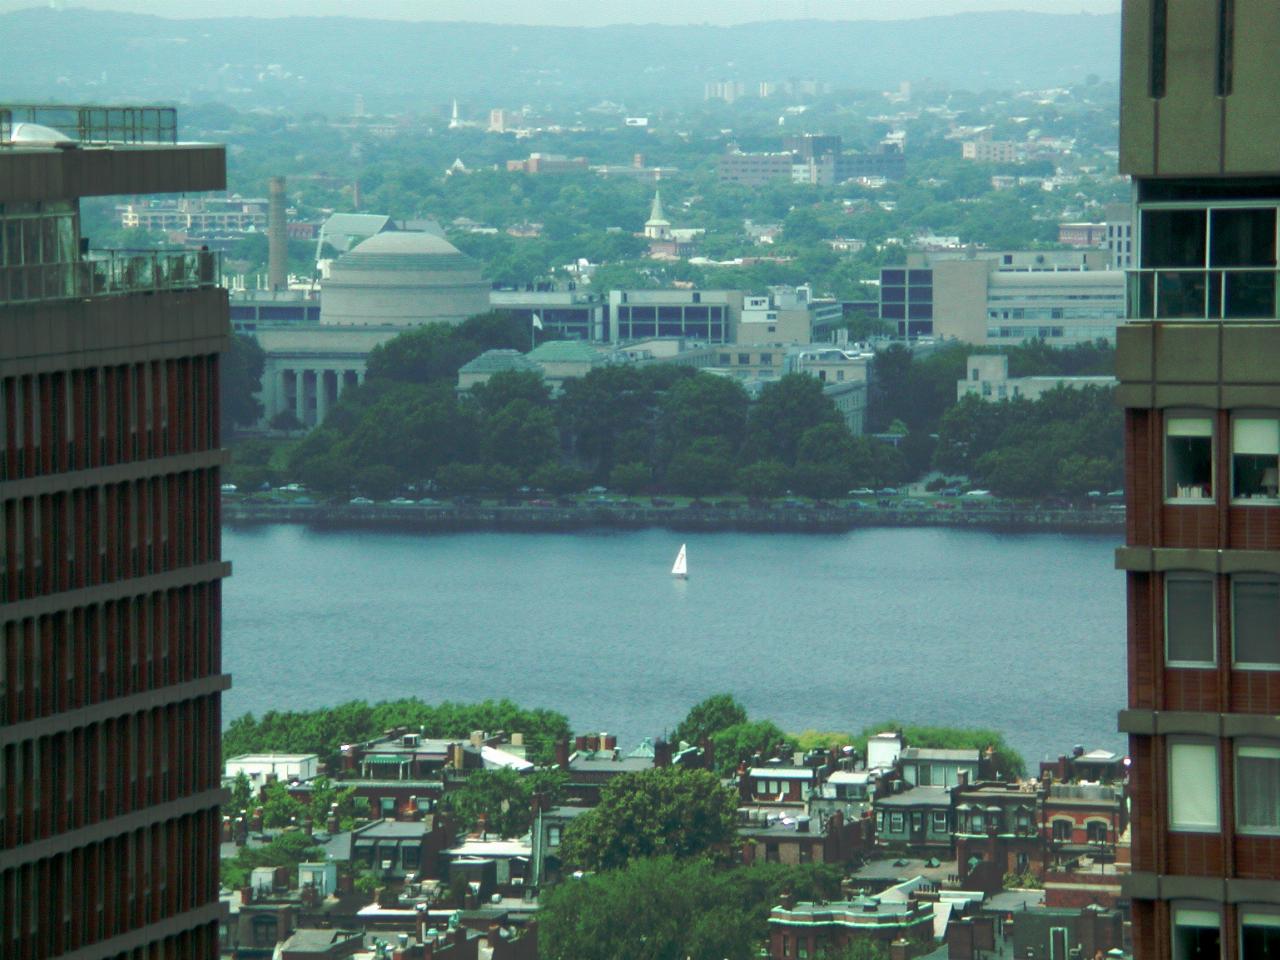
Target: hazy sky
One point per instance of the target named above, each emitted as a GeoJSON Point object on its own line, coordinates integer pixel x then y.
{"type": "Point", "coordinates": [581, 12]}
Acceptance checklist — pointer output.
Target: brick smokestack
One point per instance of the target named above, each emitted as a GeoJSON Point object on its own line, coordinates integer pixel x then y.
{"type": "Point", "coordinates": [277, 238]}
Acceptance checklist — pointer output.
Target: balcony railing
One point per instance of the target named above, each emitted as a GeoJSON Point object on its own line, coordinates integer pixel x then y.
{"type": "Point", "coordinates": [1240, 293]}
{"type": "Point", "coordinates": [91, 124]}
{"type": "Point", "coordinates": [105, 273]}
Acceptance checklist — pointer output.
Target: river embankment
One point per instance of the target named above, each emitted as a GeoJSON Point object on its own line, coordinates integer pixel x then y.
{"type": "Point", "coordinates": [461, 518]}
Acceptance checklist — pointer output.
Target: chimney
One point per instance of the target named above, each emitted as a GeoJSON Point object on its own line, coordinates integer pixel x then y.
{"type": "Point", "coordinates": [307, 826]}
{"type": "Point", "coordinates": [495, 934]}
{"type": "Point", "coordinates": [227, 835]}
{"type": "Point", "coordinates": [355, 195]}
{"type": "Point", "coordinates": [900, 950]}
{"type": "Point", "coordinates": [580, 744]}
{"type": "Point", "coordinates": [277, 237]}
{"type": "Point", "coordinates": [962, 778]}
{"type": "Point", "coordinates": [608, 741]}
{"type": "Point", "coordinates": [255, 821]}
{"type": "Point", "coordinates": [562, 753]}
{"type": "Point", "coordinates": [246, 894]}
{"type": "Point", "coordinates": [477, 738]}
{"type": "Point", "coordinates": [787, 900]}
{"type": "Point", "coordinates": [661, 753]}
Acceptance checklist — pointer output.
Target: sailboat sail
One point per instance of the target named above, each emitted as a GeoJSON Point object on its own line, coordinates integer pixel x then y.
{"type": "Point", "coordinates": [681, 566]}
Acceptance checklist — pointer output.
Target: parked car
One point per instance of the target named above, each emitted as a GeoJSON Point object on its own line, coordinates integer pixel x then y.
{"type": "Point", "coordinates": [229, 488]}
{"type": "Point", "coordinates": [887, 492]}
{"type": "Point", "coordinates": [598, 490]}
{"type": "Point", "coordinates": [360, 501]}
{"type": "Point", "coordinates": [978, 493]}
{"type": "Point", "coordinates": [402, 502]}
{"type": "Point", "coordinates": [950, 491]}
{"type": "Point", "coordinates": [861, 492]}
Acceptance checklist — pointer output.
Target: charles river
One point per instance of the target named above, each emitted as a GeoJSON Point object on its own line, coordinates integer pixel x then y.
{"type": "Point", "coordinates": [1023, 632]}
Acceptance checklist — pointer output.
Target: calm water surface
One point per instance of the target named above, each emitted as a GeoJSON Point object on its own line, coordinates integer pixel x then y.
{"type": "Point", "coordinates": [1021, 632]}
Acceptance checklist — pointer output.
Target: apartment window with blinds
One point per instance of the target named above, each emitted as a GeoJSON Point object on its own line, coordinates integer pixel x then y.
{"type": "Point", "coordinates": [1193, 787]}
{"type": "Point", "coordinates": [1255, 621]}
{"type": "Point", "coordinates": [1190, 634]}
{"type": "Point", "coordinates": [1255, 459]}
{"type": "Point", "coordinates": [1258, 788]}
{"type": "Point", "coordinates": [1188, 461]}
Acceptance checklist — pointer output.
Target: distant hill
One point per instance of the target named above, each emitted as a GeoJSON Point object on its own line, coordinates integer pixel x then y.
{"type": "Point", "coordinates": [322, 63]}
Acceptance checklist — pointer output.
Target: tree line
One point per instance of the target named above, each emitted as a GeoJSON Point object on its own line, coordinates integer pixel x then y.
{"type": "Point", "coordinates": [635, 429]}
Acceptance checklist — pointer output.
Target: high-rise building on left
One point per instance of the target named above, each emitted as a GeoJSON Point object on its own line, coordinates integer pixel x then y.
{"type": "Point", "coordinates": [110, 558]}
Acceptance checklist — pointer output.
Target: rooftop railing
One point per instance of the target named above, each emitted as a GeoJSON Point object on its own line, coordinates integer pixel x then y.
{"type": "Point", "coordinates": [105, 273]}
{"type": "Point", "coordinates": [93, 124]}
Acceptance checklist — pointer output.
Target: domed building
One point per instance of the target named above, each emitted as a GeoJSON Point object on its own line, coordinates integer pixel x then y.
{"type": "Point", "coordinates": [401, 278]}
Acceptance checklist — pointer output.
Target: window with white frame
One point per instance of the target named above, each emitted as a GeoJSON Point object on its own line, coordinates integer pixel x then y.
{"type": "Point", "coordinates": [1255, 621]}
{"type": "Point", "coordinates": [1188, 458]}
{"type": "Point", "coordinates": [1258, 788]}
{"type": "Point", "coordinates": [1197, 933]}
{"type": "Point", "coordinates": [1190, 637]}
{"type": "Point", "coordinates": [939, 821]}
{"type": "Point", "coordinates": [897, 822]}
{"type": "Point", "coordinates": [1193, 787]}
{"type": "Point", "coordinates": [1259, 934]}
{"type": "Point", "coordinates": [1255, 458]}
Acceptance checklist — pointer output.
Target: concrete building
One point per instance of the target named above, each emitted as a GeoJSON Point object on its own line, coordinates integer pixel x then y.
{"type": "Point", "coordinates": [1061, 297]}
{"type": "Point", "coordinates": [402, 278]}
{"type": "Point", "coordinates": [787, 315]}
{"type": "Point", "coordinates": [811, 159]}
{"type": "Point", "coordinates": [1119, 240]}
{"type": "Point", "coordinates": [989, 151]}
{"type": "Point", "coordinates": [567, 313]}
{"type": "Point", "coordinates": [708, 316]}
{"type": "Point", "coordinates": [309, 366]}
{"type": "Point", "coordinates": [987, 376]}
{"type": "Point", "coordinates": [562, 360]}
{"type": "Point", "coordinates": [110, 573]}
{"type": "Point", "coordinates": [490, 362]}
{"type": "Point", "coordinates": [1082, 234]}
{"type": "Point", "coordinates": [547, 163]}
{"type": "Point", "coordinates": [1199, 372]}
{"type": "Point", "coordinates": [283, 766]}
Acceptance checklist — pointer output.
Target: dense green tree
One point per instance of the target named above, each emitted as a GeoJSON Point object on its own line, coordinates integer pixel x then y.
{"type": "Point", "coordinates": [704, 467]}
{"type": "Point", "coordinates": [521, 436]}
{"type": "Point", "coordinates": [287, 850]}
{"type": "Point", "coordinates": [764, 479]}
{"type": "Point", "coordinates": [506, 386]}
{"type": "Point", "coordinates": [702, 406]}
{"type": "Point", "coordinates": [505, 798]}
{"type": "Point", "coordinates": [666, 811]}
{"type": "Point", "coordinates": [241, 372]}
{"type": "Point", "coordinates": [435, 351]}
{"type": "Point", "coordinates": [742, 741]}
{"type": "Point", "coordinates": [631, 478]}
{"type": "Point", "coordinates": [786, 409]}
{"type": "Point", "coordinates": [669, 909]}
{"type": "Point", "coordinates": [717, 712]}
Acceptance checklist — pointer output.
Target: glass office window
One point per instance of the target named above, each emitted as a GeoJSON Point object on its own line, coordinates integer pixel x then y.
{"type": "Point", "coordinates": [1197, 934]}
{"type": "Point", "coordinates": [1259, 935]}
{"type": "Point", "coordinates": [1258, 788]}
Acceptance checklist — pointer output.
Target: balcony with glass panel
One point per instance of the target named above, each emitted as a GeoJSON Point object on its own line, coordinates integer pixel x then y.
{"type": "Point", "coordinates": [1205, 263]}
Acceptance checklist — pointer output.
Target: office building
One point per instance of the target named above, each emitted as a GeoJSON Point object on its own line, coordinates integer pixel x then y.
{"type": "Point", "coordinates": [1004, 297]}
{"type": "Point", "coordinates": [1199, 372]}
{"type": "Point", "coordinates": [110, 556]}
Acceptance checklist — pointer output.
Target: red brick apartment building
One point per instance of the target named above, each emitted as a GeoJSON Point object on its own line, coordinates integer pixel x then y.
{"type": "Point", "coordinates": [1199, 380]}
{"type": "Point", "coordinates": [110, 668]}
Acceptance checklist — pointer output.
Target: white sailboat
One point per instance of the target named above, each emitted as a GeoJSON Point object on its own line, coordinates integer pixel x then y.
{"type": "Point", "coordinates": [680, 569]}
